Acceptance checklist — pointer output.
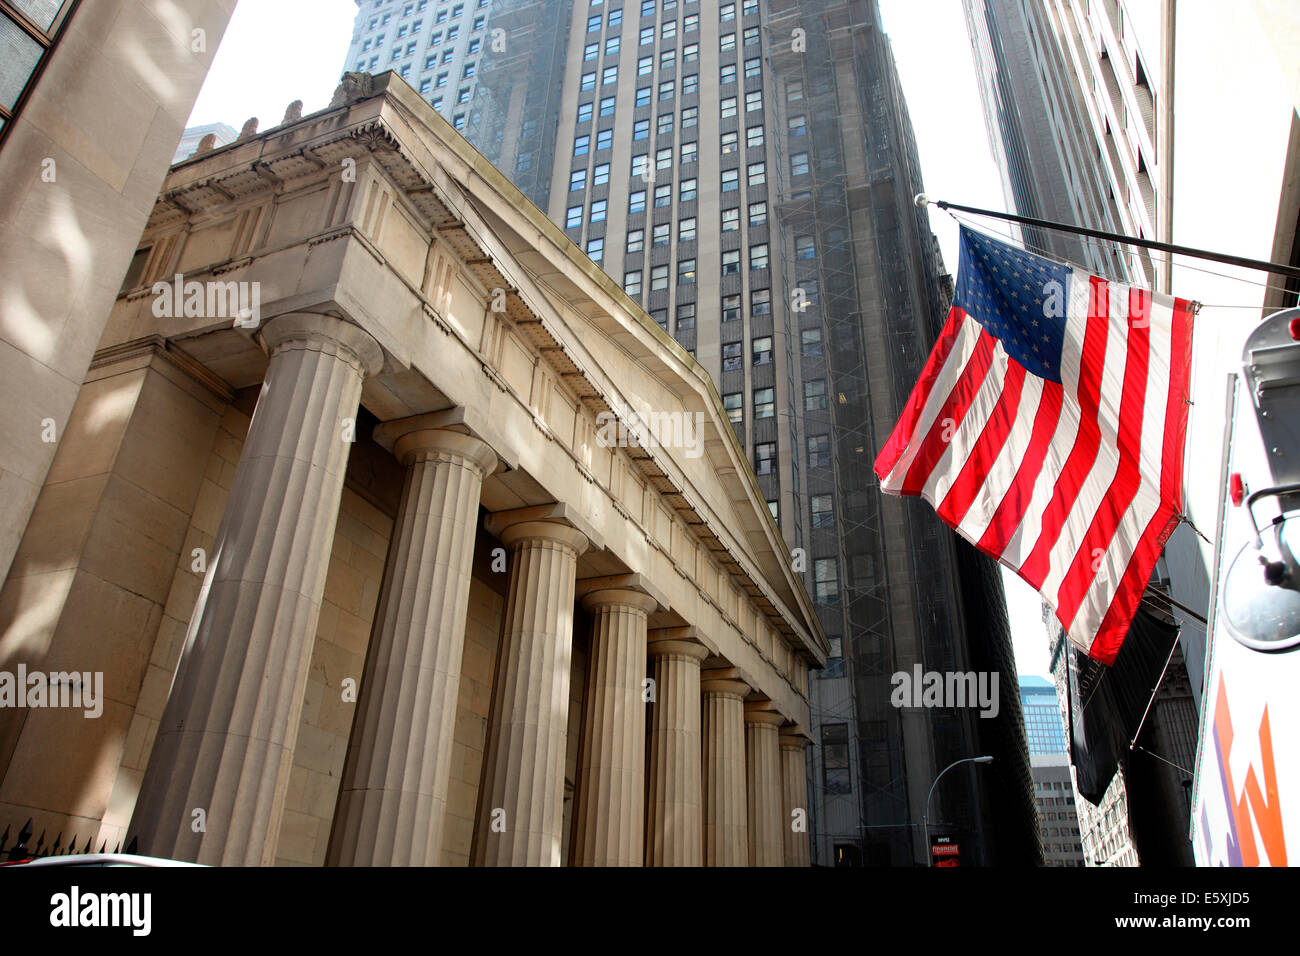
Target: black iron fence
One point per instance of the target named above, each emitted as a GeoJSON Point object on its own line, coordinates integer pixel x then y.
{"type": "Point", "coordinates": [23, 849]}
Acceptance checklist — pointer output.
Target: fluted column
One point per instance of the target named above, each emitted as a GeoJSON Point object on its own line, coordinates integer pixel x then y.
{"type": "Point", "coordinates": [394, 786]}
{"type": "Point", "coordinates": [674, 794]}
{"type": "Point", "coordinates": [214, 789]}
{"type": "Point", "coordinates": [763, 779]}
{"type": "Point", "coordinates": [609, 806]}
{"type": "Point", "coordinates": [521, 804]}
{"type": "Point", "coordinates": [794, 790]}
{"type": "Point", "coordinates": [726, 835]}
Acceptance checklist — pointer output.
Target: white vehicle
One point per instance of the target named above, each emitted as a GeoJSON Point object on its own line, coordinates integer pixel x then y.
{"type": "Point", "coordinates": [1246, 801]}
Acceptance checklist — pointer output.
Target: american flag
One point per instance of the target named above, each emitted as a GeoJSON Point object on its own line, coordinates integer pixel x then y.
{"type": "Point", "coordinates": [1047, 428]}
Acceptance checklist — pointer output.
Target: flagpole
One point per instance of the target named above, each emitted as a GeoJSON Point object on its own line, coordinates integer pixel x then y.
{"type": "Point", "coordinates": [922, 200]}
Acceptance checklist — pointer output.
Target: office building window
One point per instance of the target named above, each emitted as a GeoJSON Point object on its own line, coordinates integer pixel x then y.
{"type": "Point", "coordinates": [640, 166]}
{"type": "Point", "coordinates": [819, 451]}
{"type": "Point", "coordinates": [764, 403]}
{"type": "Point", "coordinates": [588, 81]}
{"type": "Point", "coordinates": [727, 42]}
{"type": "Point", "coordinates": [728, 107]}
{"type": "Point", "coordinates": [726, 12]}
{"type": "Point", "coordinates": [686, 272]}
{"type": "Point", "coordinates": [598, 208]}
{"type": "Point", "coordinates": [814, 395]}
{"type": "Point", "coordinates": [757, 213]}
{"type": "Point", "coordinates": [581, 145]}
{"type": "Point", "coordinates": [811, 341]}
{"type": "Point", "coordinates": [763, 350]}
{"type": "Point", "coordinates": [585, 111]}
{"type": "Point", "coordinates": [730, 180]}
{"type": "Point", "coordinates": [641, 129]}
{"type": "Point", "coordinates": [754, 137]}
{"type": "Point", "coordinates": [758, 256]}
{"type": "Point", "coordinates": [727, 74]}
{"type": "Point", "coordinates": [663, 196]}
{"type": "Point", "coordinates": [635, 240]}
{"type": "Point", "coordinates": [668, 30]}
{"type": "Point", "coordinates": [668, 61]}
{"type": "Point", "coordinates": [691, 53]}
{"type": "Point", "coordinates": [730, 220]}
{"type": "Point", "coordinates": [666, 89]}
{"type": "Point", "coordinates": [645, 65]}
{"type": "Point", "coordinates": [799, 125]}
{"type": "Point", "coordinates": [600, 175]}
{"type": "Point", "coordinates": [643, 96]}
{"type": "Point", "coordinates": [573, 218]}
{"type": "Point", "coordinates": [591, 51]}
{"type": "Point", "coordinates": [822, 515]}
{"type": "Point", "coordinates": [731, 358]}
{"type": "Point", "coordinates": [690, 84]}
{"type": "Point", "coordinates": [690, 23]}
{"type": "Point", "coordinates": [686, 230]}
{"type": "Point", "coordinates": [690, 116]}
{"type": "Point", "coordinates": [760, 302]}
{"type": "Point", "coordinates": [793, 91]}
{"type": "Point", "coordinates": [665, 127]}
{"type": "Point", "coordinates": [730, 143]}
{"type": "Point", "coordinates": [658, 279]}
{"type": "Point", "coordinates": [757, 174]}
{"type": "Point", "coordinates": [636, 201]}
{"type": "Point", "coordinates": [686, 317]}
{"type": "Point", "coordinates": [660, 235]}
{"type": "Point", "coordinates": [730, 307]}
{"type": "Point", "coordinates": [612, 45]}
{"type": "Point", "coordinates": [604, 138]}
{"type": "Point", "coordinates": [610, 74]}
{"type": "Point", "coordinates": [615, 17]}
{"type": "Point", "coordinates": [593, 23]}
{"type": "Point", "coordinates": [752, 36]}
{"type": "Point", "coordinates": [753, 67]}
{"type": "Point", "coordinates": [826, 581]}
{"type": "Point", "coordinates": [753, 101]}
{"type": "Point", "coordinates": [731, 262]}
{"type": "Point", "coordinates": [632, 282]}
{"type": "Point", "coordinates": [835, 758]}
{"type": "Point", "coordinates": [596, 249]}
{"type": "Point", "coordinates": [804, 247]}
{"type": "Point", "coordinates": [660, 316]}
{"type": "Point", "coordinates": [664, 158]}
{"type": "Point", "coordinates": [686, 193]}
{"type": "Point", "coordinates": [733, 403]}
{"type": "Point", "coordinates": [689, 151]}
{"type": "Point", "coordinates": [647, 36]}
{"type": "Point", "coordinates": [765, 458]}
{"type": "Point", "coordinates": [798, 164]}
{"type": "Point", "coordinates": [607, 106]}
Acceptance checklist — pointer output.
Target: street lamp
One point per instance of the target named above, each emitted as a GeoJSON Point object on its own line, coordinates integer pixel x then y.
{"type": "Point", "coordinates": [925, 817]}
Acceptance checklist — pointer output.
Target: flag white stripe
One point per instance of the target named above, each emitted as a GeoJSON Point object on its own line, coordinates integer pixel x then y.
{"type": "Point", "coordinates": [948, 375]}
{"type": "Point", "coordinates": [949, 466]}
{"type": "Point", "coordinates": [1067, 428]}
{"type": "Point", "coordinates": [1092, 492]}
{"type": "Point", "coordinates": [1004, 468]}
{"type": "Point", "coordinates": [1096, 602]}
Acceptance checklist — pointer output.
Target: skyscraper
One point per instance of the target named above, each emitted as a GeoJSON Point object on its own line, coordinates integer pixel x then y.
{"type": "Point", "coordinates": [1049, 755]}
{"type": "Point", "coordinates": [433, 46]}
{"type": "Point", "coordinates": [745, 171]}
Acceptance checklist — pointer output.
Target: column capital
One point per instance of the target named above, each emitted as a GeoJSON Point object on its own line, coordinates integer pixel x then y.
{"type": "Point", "coordinates": [348, 340]}
{"type": "Point", "coordinates": [754, 714]}
{"type": "Point", "coordinates": [619, 597]}
{"type": "Point", "coordinates": [676, 642]}
{"type": "Point", "coordinates": [723, 687]}
{"type": "Point", "coordinates": [410, 440]}
{"type": "Point", "coordinates": [561, 534]}
{"type": "Point", "coordinates": [792, 738]}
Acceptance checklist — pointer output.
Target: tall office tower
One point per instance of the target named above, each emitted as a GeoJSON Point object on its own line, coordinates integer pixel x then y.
{"type": "Point", "coordinates": [1058, 823]}
{"type": "Point", "coordinates": [1069, 104]}
{"type": "Point", "coordinates": [434, 46]}
{"type": "Point", "coordinates": [745, 170]}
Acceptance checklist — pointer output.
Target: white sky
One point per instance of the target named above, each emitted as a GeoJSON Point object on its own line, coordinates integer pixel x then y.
{"type": "Point", "coordinates": [257, 73]}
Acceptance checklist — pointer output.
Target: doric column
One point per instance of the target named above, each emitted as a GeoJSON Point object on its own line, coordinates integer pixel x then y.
{"type": "Point", "coordinates": [726, 836]}
{"type": "Point", "coordinates": [394, 786]}
{"type": "Point", "coordinates": [214, 789]}
{"type": "Point", "coordinates": [521, 808]}
{"type": "Point", "coordinates": [763, 778]}
{"type": "Point", "coordinates": [609, 806]}
{"type": "Point", "coordinates": [674, 817]}
{"type": "Point", "coordinates": [794, 790]}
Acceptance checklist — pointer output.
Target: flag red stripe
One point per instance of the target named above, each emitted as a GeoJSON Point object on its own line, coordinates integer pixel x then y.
{"type": "Point", "coordinates": [1114, 626]}
{"type": "Point", "coordinates": [898, 439]}
{"type": "Point", "coordinates": [950, 415]}
{"type": "Point", "coordinates": [986, 450]}
{"type": "Point", "coordinates": [1128, 475]}
{"type": "Point", "coordinates": [1084, 453]}
{"type": "Point", "coordinates": [1011, 509]}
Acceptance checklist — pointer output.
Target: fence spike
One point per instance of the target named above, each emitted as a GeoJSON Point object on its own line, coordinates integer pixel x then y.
{"type": "Point", "coordinates": [87, 849]}
{"type": "Point", "coordinates": [19, 850]}
{"type": "Point", "coordinates": [72, 847]}
{"type": "Point", "coordinates": [119, 847]}
{"type": "Point", "coordinates": [134, 846]}
{"type": "Point", "coordinates": [103, 847]}
{"type": "Point", "coordinates": [4, 838]}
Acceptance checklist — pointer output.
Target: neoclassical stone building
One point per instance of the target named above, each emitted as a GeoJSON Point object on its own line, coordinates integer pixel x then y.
{"type": "Point", "coordinates": [365, 575]}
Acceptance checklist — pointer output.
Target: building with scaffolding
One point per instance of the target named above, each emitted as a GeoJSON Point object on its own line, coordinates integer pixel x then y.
{"type": "Point", "coordinates": [745, 171]}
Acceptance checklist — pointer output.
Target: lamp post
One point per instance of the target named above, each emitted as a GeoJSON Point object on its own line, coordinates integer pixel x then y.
{"type": "Point", "coordinates": [925, 817]}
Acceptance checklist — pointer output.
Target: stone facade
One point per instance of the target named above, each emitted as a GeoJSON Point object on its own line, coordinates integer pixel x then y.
{"type": "Point", "coordinates": [367, 577]}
